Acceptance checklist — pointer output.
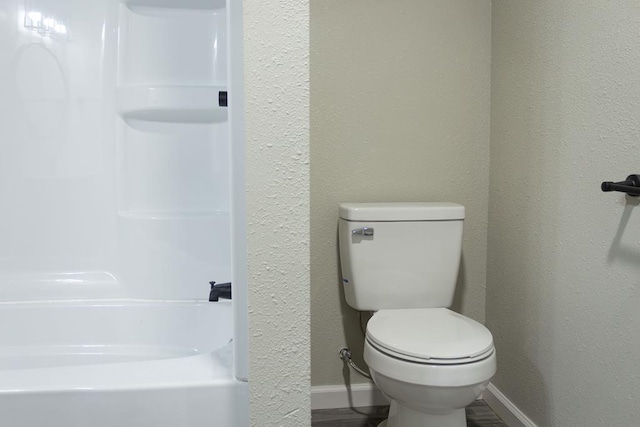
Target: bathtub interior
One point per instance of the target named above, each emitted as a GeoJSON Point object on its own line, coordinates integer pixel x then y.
{"type": "Point", "coordinates": [53, 335]}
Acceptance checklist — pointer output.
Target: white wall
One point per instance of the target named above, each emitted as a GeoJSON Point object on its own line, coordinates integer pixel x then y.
{"type": "Point", "coordinates": [400, 112]}
{"type": "Point", "coordinates": [563, 283]}
{"type": "Point", "coordinates": [276, 44]}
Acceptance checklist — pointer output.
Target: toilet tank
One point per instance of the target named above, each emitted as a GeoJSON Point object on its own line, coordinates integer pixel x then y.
{"type": "Point", "coordinates": [400, 255]}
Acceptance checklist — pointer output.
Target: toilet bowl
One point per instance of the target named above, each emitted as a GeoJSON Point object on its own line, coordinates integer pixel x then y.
{"type": "Point", "coordinates": [430, 363]}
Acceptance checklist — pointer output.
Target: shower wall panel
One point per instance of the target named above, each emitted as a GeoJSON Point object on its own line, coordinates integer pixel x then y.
{"type": "Point", "coordinates": [114, 172]}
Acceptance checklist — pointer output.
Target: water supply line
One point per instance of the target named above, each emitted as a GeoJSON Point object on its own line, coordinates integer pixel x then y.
{"type": "Point", "coordinates": [345, 355]}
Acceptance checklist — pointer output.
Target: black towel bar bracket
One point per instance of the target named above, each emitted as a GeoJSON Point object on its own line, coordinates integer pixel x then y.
{"type": "Point", "coordinates": [631, 186]}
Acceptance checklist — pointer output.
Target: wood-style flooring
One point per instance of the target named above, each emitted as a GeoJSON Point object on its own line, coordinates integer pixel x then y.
{"type": "Point", "coordinates": [478, 415]}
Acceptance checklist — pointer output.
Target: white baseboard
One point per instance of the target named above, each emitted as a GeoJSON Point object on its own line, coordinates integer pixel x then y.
{"type": "Point", "coordinates": [505, 409]}
{"type": "Point", "coordinates": [341, 396]}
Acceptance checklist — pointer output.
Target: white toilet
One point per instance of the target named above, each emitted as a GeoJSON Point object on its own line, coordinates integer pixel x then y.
{"type": "Point", "coordinates": [401, 261]}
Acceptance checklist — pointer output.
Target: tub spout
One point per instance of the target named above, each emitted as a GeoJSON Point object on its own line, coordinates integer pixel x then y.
{"type": "Point", "coordinates": [220, 290]}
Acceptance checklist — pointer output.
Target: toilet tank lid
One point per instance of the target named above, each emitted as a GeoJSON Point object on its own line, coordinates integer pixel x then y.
{"type": "Point", "coordinates": [425, 211]}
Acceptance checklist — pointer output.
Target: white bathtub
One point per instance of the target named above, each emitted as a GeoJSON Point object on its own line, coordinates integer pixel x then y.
{"type": "Point", "coordinates": [118, 364]}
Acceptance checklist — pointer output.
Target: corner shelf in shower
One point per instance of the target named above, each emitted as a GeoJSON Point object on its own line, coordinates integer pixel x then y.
{"type": "Point", "coordinates": [172, 215]}
{"type": "Point", "coordinates": [178, 104]}
{"type": "Point", "coordinates": [175, 4]}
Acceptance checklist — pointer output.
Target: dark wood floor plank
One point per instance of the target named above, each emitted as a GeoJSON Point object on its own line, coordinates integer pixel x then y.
{"type": "Point", "coordinates": [478, 415]}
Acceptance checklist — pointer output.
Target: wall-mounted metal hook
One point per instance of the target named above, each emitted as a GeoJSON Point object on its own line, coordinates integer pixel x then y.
{"type": "Point", "coordinates": [631, 186]}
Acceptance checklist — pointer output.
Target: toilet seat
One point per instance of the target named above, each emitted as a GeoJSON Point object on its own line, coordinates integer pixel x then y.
{"type": "Point", "coordinates": [436, 336]}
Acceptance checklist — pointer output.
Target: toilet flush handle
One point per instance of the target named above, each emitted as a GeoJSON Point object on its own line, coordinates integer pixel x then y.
{"type": "Point", "coordinates": [364, 231]}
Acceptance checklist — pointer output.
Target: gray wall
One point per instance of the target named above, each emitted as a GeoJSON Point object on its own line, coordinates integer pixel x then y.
{"type": "Point", "coordinates": [564, 259]}
{"type": "Point", "coordinates": [400, 112]}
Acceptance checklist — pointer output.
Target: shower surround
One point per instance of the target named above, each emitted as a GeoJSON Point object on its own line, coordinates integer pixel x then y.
{"type": "Point", "coordinates": [120, 203]}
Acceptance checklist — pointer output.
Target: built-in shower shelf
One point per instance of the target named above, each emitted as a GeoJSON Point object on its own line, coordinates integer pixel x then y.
{"type": "Point", "coordinates": [175, 4]}
{"type": "Point", "coordinates": [183, 104]}
{"type": "Point", "coordinates": [170, 215]}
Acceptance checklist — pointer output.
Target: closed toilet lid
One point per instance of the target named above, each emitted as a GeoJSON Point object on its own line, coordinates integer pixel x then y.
{"type": "Point", "coordinates": [430, 335]}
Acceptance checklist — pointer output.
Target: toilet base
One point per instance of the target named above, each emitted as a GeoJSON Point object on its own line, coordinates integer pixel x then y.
{"type": "Point", "coordinates": [402, 416]}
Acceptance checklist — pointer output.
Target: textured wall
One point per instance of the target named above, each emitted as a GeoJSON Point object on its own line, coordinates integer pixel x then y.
{"type": "Point", "coordinates": [564, 259]}
{"type": "Point", "coordinates": [276, 45]}
{"type": "Point", "coordinates": [400, 112]}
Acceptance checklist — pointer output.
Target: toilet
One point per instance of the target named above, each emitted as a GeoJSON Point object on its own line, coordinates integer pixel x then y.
{"type": "Point", "coordinates": [400, 261]}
